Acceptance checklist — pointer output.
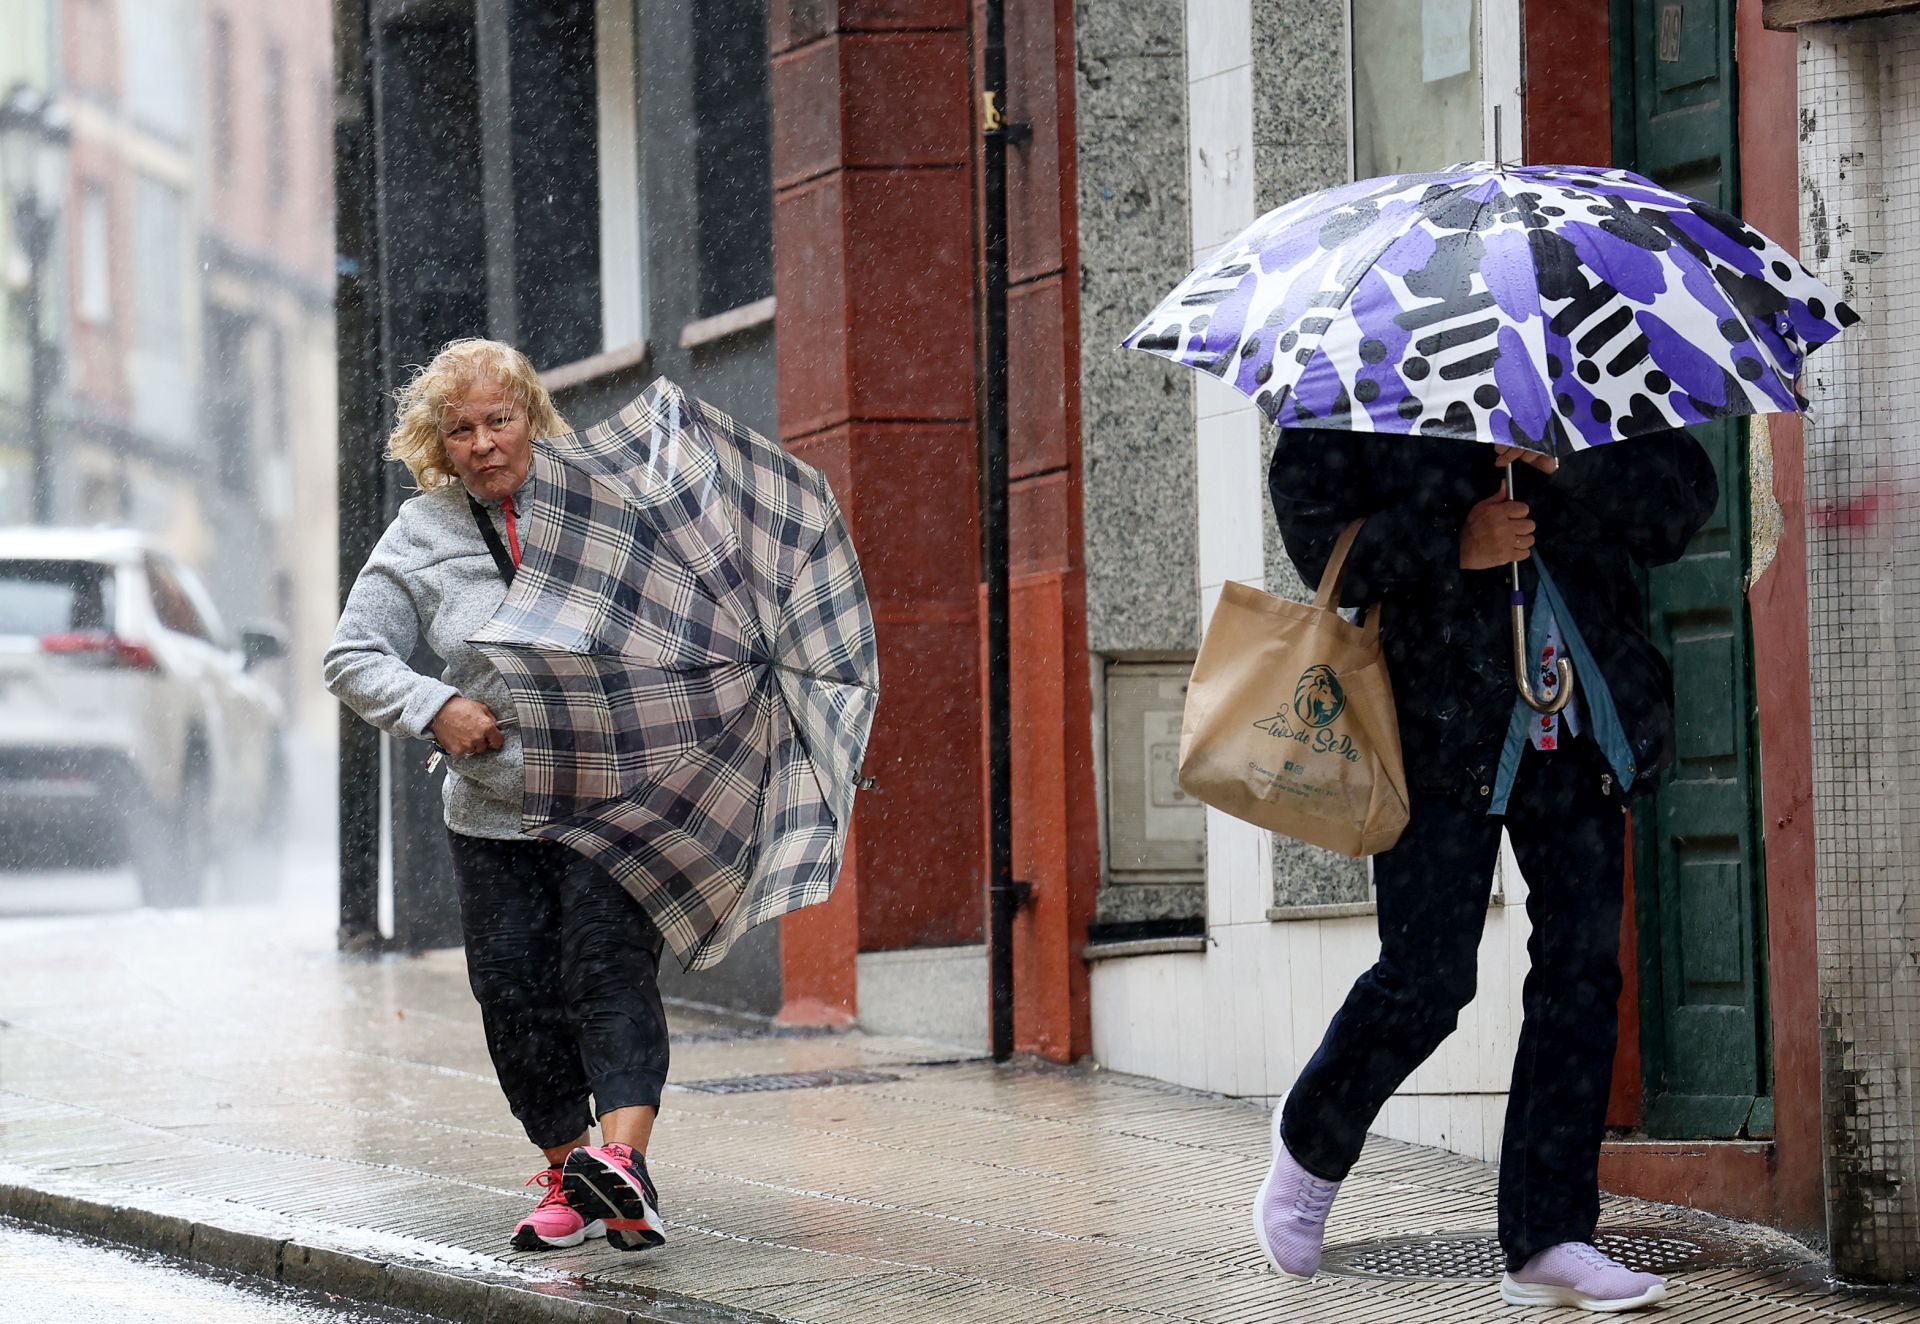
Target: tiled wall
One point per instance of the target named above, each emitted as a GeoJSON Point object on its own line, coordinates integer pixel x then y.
{"type": "Point", "coordinates": [1860, 228]}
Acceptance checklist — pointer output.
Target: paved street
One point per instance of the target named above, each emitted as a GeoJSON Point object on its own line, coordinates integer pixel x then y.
{"type": "Point", "coordinates": [226, 1067]}
{"type": "Point", "coordinates": [54, 1278]}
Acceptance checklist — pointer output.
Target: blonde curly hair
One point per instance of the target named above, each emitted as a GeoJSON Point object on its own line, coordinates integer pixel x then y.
{"type": "Point", "coordinates": [424, 404]}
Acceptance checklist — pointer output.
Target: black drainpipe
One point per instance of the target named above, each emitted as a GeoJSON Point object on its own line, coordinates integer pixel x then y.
{"type": "Point", "coordinates": [1004, 895]}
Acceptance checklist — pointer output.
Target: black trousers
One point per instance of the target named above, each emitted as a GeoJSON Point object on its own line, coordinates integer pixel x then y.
{"type": "Point", "coordinates": [1565, 821]}
{"type": "Point", "coordinates": [564, 963]}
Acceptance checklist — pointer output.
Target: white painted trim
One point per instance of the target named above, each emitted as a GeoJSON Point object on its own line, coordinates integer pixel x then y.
{"type": "Point", "coordinates": [1107, 951]}
{"type": "Point", "coordinates": [1500, 78]}
{"type": "Point", "coordinates": [564, 376]}
{"type": "Point", "coordinates": [723, 326]}
{"type": "Point", "coordinates": [623, 268]}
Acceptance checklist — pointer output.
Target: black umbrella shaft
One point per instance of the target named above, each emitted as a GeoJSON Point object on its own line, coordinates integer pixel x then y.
{"type": "Point", "coordinates": [1002, 894]}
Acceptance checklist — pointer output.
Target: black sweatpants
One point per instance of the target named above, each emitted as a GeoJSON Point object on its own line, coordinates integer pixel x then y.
{"type": "Point", "coordinates": [564, 963]}
{"type": "Point", "coordinates": [1565, 821]}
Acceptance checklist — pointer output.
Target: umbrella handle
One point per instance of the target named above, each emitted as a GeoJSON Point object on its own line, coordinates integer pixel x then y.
{"type": "Point", "coordinates": [1522, 663]}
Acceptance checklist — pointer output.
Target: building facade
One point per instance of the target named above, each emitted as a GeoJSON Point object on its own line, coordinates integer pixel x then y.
{"type": "Point", "coordinates": [844, 315]}
{"type": "Point", "coordinates": [30, 59]}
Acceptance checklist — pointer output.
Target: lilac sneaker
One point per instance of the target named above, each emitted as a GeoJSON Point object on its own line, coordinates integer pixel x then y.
{"type": "Point", "coordinates": [1577, 1274]}
{"type": "Point", "coordinates": [1290, 1213]}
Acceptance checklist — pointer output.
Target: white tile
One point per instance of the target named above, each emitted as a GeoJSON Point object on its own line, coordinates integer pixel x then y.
{"type": "Point", "coordinates": [1216, 1023]}
{"type": "Point", "coordinates": [1396, 1119]}
{"type": "Point", "coordinates": [1238, 858]}
{"type": "Point", "coordinates": [1220, 155]}
{"type": "Point", "coordinates": [1219, 36]}
{"type": "Point", "coordinates": [1194, 1028]}
{"type": "Point", "coordinates": [1308, 1003]}
{"type": "Point", "coordinates": [1108, 987]}
{"type": "Point", "coordinates": [1349, 947]}
{"type": "Point", "coordinates": [1495, 1058]}
{"type": "Point", "coordinates": [1467, 1125]}
{"type": "Point", "coordinates": [1239, 958]}
{"type": "Point", "coordinates": [1512, 882]}
{"type": "Point", "coordinates": [1231, 498]}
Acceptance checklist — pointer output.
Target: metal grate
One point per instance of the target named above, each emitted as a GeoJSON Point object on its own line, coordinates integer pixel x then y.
{"type": "Point", "coordinates": [1477, 1255]}
{"type": "Point", "coordinates": [795, 1080]}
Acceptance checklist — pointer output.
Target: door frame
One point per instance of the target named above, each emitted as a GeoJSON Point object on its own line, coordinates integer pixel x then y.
{"type": "Point", "coordinates": [1651, 1036]}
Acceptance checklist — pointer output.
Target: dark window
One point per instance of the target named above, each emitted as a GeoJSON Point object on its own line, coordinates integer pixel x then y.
{"type": "Point", "coordinates": [429, 189]}
{"type": "Point", "coordinates": [277, 138]}
{"type": "Point", "coordinates": [556, 174]}
{"type": "Point", "coordinates": [734, 167]}
{"type": "Point", "coordinates": [54, 597]}
{"type": "Point", "coordinates": [220, 92]}
{"type": "Point", "coordinates": [171, 603]}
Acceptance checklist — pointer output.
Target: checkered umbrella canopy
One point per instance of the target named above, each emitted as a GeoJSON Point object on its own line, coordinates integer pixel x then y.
{"type": "Point", "coordinates": [689, 647]}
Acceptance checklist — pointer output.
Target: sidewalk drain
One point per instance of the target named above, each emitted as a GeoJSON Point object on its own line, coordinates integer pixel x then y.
{"type": "Point", "coordinates": [797, 1080]}
{"type": "Point", "coordinates": [1477, 1255]}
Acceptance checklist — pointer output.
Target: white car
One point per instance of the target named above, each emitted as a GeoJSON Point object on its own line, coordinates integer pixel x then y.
{"type": "Point", "coordinates": [131, 723]}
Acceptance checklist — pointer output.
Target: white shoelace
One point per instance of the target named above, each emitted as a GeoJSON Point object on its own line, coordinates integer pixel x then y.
{"type": "Point", "coordinates": [1313, 1197]}
{"type": "Point", "coordinates": [1594, 1256]}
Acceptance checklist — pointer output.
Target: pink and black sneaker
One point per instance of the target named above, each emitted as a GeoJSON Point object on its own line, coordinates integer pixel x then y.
{"type": "Point", "coordinates": [610, 1183]}
{"type": "Point", "coordinates": [554, 1222]}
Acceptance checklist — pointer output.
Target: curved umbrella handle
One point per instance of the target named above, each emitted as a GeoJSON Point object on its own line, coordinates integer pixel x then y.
{"type": "Point", "coordinates": [1523, 665]}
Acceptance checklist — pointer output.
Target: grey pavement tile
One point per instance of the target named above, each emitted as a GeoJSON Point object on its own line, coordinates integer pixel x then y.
{"type": "Point", "coordinates": [353, 1097]}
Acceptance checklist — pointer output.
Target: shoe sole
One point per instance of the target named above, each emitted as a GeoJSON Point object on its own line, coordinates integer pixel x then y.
{"type": "Point", "coordinates": [1260, 1205]}
{"type": "Point", "coordinates": [1545, 1294]}
{"type": "Point", "coordinates": [525, 1238]}
{"type": "Point", "coordinates": [620, 1204]}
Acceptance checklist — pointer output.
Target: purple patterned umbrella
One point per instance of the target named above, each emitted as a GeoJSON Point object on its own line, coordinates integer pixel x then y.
{"type": "Point", "coordinates": [1548, 307]}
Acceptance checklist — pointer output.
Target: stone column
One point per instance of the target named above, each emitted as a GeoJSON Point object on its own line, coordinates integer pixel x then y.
{"type": "Point", "coordinates": [874, 278]}
{"type": "Point", "coordinates": [1860, 205]}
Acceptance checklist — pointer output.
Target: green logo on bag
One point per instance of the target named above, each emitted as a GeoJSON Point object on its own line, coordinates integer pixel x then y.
{"type": "Point", "coordinates": [1318, 699]}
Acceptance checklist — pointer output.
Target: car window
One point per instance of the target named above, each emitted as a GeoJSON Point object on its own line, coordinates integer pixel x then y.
{"type": "Point", "coordinates": [202, 603]}
{"type": "Point", "coordinates": [54, 597]}
{"type": "Point", "coordinates": [171, 603]}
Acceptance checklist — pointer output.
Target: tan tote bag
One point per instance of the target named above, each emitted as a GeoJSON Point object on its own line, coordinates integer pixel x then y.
{"type": "Point", "coordinates": [1289, 721]}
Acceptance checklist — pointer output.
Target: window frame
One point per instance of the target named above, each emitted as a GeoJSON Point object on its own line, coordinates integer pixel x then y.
{"type": "Point", "coordinates": [1499, 64]}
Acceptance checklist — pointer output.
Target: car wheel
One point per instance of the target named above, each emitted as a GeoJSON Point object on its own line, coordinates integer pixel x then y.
{"type": "Point", "coordinates": [173, 850]}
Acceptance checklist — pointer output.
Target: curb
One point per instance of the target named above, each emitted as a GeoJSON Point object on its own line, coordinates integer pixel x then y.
{"type": "Point", "coordinates": [426, 1289]}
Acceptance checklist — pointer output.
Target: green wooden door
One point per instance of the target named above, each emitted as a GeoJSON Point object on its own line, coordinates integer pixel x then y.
{"type": "Point", "coordinates": [1697, 861]}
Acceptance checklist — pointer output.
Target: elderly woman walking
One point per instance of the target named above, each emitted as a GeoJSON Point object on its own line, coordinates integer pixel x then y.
{"type": "Point", "coordinates": [562, 960]}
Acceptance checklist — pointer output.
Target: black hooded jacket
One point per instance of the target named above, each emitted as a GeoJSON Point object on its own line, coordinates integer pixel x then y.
{"type": "Point", "coordinates": [1446, 631]}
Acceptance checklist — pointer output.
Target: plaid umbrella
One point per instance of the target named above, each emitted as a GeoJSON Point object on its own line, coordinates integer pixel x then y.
{"type": "Point", "coordinates": [689, 647]}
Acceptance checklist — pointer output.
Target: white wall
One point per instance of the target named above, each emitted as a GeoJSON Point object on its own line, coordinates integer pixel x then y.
{"type": "Point", "coordinates": [1241, 1017]}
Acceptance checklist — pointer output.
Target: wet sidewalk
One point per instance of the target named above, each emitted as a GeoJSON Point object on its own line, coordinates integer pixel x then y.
{"type": "Point", "coordinates": [250, 1098]}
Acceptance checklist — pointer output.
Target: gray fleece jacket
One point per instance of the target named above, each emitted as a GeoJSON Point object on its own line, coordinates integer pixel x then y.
{"type": "Point", "coordinates": [431, 580]}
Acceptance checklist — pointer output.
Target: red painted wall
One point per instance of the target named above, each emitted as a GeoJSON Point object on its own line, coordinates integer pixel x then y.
{"type": "Point", "coordinates": [879, 298]}
{"type": "Point", "coordinates": [875, 275]}
{"type": "Point", "coordinates": [1770, 199]}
